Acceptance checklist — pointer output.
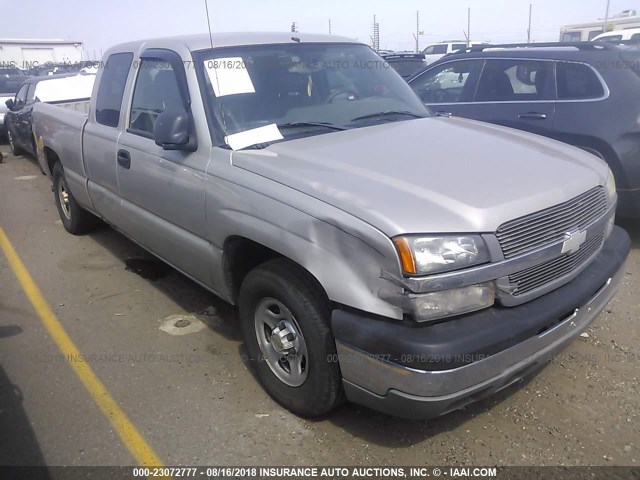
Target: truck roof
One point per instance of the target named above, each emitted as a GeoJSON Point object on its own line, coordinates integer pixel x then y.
{"type": "Point", "coordinates": [231, 39]}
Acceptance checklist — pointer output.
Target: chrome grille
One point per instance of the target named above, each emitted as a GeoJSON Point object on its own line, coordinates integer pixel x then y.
{"type": "Point", "coordinates": [550, 225]}
{"type": "Point", "coordinates": [539, 275]}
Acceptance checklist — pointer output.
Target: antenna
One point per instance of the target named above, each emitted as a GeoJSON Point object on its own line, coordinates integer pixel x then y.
{"type": "Point", "coordinates": [206, 7]}
{"type": "Point", "coordinates": [529, 29]}
{"type": "Point", "coordinates": [468, 27]}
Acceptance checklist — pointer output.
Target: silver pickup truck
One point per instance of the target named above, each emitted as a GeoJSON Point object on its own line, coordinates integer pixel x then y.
{"type": "Point", "coordinates": [407, 262]}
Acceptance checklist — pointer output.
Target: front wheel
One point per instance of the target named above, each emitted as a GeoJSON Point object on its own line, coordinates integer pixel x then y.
{"type": "Point", "coordinates": [76, 220]}
{"type": "Point", "coordinates": [285, 320]}
{"type": "Point", "coordinates": [15, 150]}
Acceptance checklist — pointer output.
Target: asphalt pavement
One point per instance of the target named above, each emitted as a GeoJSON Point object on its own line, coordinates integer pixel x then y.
{"type": "Point", "coordinates": [171, 357]}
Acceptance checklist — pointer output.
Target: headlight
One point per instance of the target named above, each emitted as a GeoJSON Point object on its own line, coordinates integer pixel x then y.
{"type": "Point", "coordinates": [429, 307]}
{"type": "Point", "coordinates": [447, 303]}
{"type": "Point", "coordinates": [422, 255]}
{"type": "Point", "coordinates": [611, 185]}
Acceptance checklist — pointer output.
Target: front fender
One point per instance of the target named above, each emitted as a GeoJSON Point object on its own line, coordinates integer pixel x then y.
{"type": "Point", "coordinates": [343, 253]}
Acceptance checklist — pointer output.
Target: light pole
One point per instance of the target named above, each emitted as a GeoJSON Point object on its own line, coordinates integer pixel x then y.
{"type": "Point", "coordinates": [606, 17]}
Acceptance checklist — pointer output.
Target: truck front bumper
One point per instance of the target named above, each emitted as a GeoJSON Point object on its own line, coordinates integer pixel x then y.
{"type": "Point", "coordinates": [419, 372]}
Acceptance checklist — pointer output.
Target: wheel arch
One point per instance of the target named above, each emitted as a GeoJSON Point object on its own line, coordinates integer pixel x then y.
{"type": "Point", "coordinates": [242, 254]}
{"type": "Point", "coordinates": [50, 158]}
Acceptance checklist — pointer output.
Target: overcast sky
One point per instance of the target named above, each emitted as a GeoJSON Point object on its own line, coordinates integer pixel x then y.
{"type": "Point", "coordinates": [102, 23]}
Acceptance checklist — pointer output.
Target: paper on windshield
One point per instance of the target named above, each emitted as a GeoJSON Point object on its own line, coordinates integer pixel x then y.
{"type": "Point", "coordinates": [229, 76]}
{"type": "Point", "coordinates": [268, 133]}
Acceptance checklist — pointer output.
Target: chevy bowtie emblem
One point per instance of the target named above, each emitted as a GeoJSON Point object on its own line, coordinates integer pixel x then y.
{"type": "Point", "coordinates": [572, 241]}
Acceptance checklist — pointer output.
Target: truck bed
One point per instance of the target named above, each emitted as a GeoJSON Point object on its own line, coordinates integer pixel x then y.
{"type": "Point", "coordinates": [77, 105]}
{"type": "Point", "coordinates": [60, 127]}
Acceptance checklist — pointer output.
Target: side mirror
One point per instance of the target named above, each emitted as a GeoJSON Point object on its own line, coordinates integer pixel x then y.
{"type": "Point", "coordinates": [171, 130]}
{"type": "Point", "coordinates": [9, 103]}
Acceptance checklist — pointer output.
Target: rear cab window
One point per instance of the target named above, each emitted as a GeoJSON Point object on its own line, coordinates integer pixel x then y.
{"type": "Point", "coordinates": [111, 89]}
{"type": "Point", "coordinates": [577, 81]}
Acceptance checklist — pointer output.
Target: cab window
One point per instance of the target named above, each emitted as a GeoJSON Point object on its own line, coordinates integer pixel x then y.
{"type": "Point", "coordinates": [436, 50]}
{"type": "Point", "coordinates": [156, 91]}
{"type": "Point", "coordinates": [21, 97]}
{"type": "Point", "coordinates": [448, 83]}
{"type": "Point", "coordinates": [611, 39]}
{"type": "Point", "coordinates": [30, 93]}
{"type": "Point", "coordinates": [577, 81]}
{"type": "Point", "coordinates": [516, 81]}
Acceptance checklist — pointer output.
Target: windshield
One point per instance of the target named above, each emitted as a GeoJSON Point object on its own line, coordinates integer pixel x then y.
{"type": "Point", "coordinates": [280, 92]}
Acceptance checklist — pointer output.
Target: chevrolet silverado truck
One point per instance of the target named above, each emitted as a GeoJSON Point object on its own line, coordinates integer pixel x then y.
{"type": "Point", "coordinates": [288, 174]}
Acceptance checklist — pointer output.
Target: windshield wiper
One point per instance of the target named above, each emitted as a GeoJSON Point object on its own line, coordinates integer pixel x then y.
{"type": "Point", "coordinates": [388, 113]}
{"type": "Point", "coordinates": [311, 124]}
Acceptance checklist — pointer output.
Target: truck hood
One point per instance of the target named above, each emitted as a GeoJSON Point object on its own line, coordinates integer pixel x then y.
{"type": "Point", "coordinates": [430, 175]}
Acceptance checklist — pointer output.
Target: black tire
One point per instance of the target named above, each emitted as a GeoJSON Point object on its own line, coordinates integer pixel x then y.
{"type": "Point", "coordinates": [15, 150]}
{"type": "Point", "coordinates": [284, 281]}
{"type": "Point", "coordinates": [75, 219]}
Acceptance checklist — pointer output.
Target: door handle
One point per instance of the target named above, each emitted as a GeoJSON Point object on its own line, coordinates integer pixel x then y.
{"type": "Point", "coordinates": [124, 159]}
{"type": "Point", "coordinates": [533, 116]}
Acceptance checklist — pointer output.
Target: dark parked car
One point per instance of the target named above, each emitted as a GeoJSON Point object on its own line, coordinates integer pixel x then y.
{"type": "Point", "coordinates": [584, 94]}
{"type": "Point", "coordinates": [406, 64]}
{"type": "Point", "coordinates": [47, 89]}
{"type": "Point", "coordinates": [10, 81]}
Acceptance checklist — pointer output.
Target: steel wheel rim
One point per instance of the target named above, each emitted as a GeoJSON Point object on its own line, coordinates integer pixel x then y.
{"type": "Point", "coordinates": [63, 198]}
{"type": "Point", "coordinates": [281, 342]}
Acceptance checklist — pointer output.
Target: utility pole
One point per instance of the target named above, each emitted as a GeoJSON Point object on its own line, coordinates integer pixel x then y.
{"type": "Point", "coordinates": [329, 26]}
{"type": "Point", "coordinates": [418, 32]}
{"type": "Point", "coordinates": [416, 35]}
{"type": "Point", "coordinates": [606, 17]}
{"type": "Point", "coordinates": [293, 27]}
{"type": "Point", "coordinates": [529, 29]}
{"type": "Point", "coordinates": [376, 35]}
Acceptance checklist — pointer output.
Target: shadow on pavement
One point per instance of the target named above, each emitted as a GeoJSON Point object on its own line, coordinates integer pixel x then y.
{"type": "Point", "coordinates": [632, 226]}
{"type": "Point", "coordinates": [392, 432]}
{"type": "Point", "coordinates": [183, 291]}
{"type": "Point", "coordinates": [18, 444]}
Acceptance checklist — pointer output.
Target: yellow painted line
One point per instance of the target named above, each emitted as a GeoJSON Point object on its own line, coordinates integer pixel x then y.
{"type": "Point", "coordinates": [129, 434]}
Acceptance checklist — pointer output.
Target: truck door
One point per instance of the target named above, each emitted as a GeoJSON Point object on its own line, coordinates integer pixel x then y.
{"type": "Point", "coordinates": [25, 117]}
{"type": "Point", "coordinates": [16, 128]}
{"type": "Point", "coordinates": [101, 137]}
{"type": "Point", "coordinates": [163, 191]}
